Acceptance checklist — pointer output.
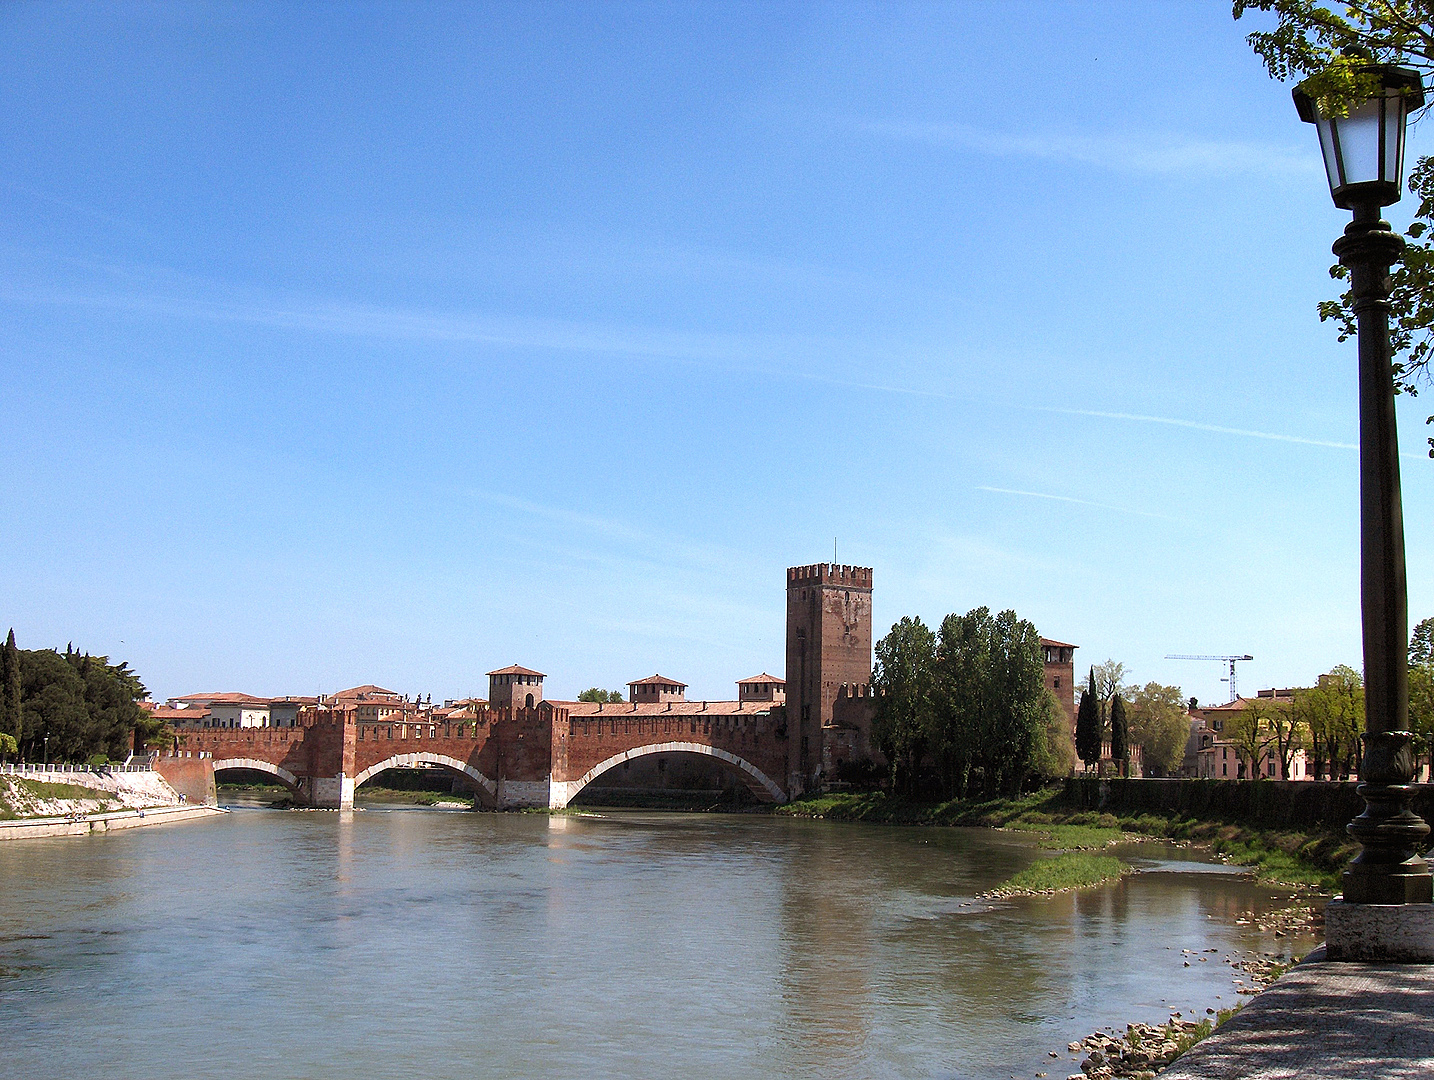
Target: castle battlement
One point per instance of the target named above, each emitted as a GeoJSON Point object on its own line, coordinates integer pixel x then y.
{"type": "Point", "coordinates": [850, 577]}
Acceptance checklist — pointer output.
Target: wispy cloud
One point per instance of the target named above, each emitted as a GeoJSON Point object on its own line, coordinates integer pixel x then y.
{"type": "Point", "coordinates": [1146, 153]}
{"type": "Point", "coordinates": [1071, 499]}
{"type": "Point", "coordinates": [762, 356]}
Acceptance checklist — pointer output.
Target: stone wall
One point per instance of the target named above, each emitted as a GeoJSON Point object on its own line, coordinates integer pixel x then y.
{"type": "Point", "coordinates": [1268, 804]}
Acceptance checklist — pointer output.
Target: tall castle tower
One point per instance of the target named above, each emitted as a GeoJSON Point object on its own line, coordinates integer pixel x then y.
{"type": "Point", "coordinates": [828, 645]}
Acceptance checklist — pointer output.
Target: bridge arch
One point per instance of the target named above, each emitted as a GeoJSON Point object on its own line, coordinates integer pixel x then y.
{"type": "Point", "coordinates": [409, 761]}
{"type": "Point", "coordinates": [759, 782]}
{"type": "Point", "coordinates": [288, 779]}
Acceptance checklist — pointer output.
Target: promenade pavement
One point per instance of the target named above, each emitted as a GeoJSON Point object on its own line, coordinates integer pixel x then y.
{"type": "Point", "coordinates": [1351, 1021]}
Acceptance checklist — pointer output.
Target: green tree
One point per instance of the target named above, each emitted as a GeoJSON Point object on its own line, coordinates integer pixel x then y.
{"type": "Point", "coordinates": [1088, 733]}
{"type": "Point", "coordinates": [989, 717]}
{"type": "Point", "coordinates": [1248, 729]}
{"type": "Point", "coordinates": [1108, 678]}
{"type": "Point", "coordinates": [8, 745]}
{"type": "Point", "coordinates": [902, 685]}
{"type": "Point", "coordinates": [1056, 754]}
{"type": "Point", "coordinates": [1160, 726]}
{"type": "Point", "coordinates": [594, 693]}
{"type": "Point", "coordinates": [1421, 644]}
{"type": "Point", "coordinates": [10, 689]}
{"type": "Point", "coordinates": [1119, 734]}
{"type": "Point", "coordinates": [1333, 712]}
{"type": "Point", "coordinates": [84, 704]}
{"type": "Point", "coordinates": [1328, 52]}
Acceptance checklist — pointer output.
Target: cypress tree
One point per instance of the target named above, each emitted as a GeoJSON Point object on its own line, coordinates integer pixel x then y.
{"type": "Point", "coordinates": [1119, 735]}
{"type": "Point", "coordinates": [1088, 726]}
{"type": "Point", "coordinates": [10, 689]}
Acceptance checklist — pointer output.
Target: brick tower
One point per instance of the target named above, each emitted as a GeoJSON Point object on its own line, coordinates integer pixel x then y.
{"type": "Point", "coordinates": [828, 646]}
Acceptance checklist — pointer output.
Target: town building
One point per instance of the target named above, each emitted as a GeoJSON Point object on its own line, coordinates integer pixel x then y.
{"type": "Point", "coordinates": [1211, 754]}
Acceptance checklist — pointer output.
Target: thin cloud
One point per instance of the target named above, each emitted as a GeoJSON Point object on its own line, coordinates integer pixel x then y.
{"type": "Point", "coordinates": [724, 352]}
{"type": "Point", "coordinates": [1162, 153]}
{"type": "Point", "coordinates": [1070, 499]}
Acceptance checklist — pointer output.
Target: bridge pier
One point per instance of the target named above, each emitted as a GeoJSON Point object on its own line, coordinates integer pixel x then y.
{"type": "Point", "coordinates": [332, 792]}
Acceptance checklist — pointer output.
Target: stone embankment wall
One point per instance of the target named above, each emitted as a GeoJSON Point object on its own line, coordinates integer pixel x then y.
{"type": "Point", "coordinates": [1268, 804]}
{"type": "Point", "coordinates": [191, 777]}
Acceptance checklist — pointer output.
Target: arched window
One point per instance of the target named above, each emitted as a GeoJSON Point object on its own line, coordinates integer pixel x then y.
{"type": "Point", "coordinates": [530, 701]}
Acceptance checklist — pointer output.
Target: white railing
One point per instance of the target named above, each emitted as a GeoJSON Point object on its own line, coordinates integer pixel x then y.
{"type": "Point", "coordinates": [32, 769]}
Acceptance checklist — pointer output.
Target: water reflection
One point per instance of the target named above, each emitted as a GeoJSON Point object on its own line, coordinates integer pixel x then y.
{"type": "Point", "coordinates": [430, 944]}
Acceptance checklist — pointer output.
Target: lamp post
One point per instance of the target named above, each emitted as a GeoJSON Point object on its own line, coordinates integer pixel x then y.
{"type": "Point", "coordinates": [1364, 158]}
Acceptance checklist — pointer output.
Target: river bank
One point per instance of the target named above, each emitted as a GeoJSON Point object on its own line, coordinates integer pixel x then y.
{"type": "Point", "coordinates": [1310, 857]}
{"type": "Point", "coordinates": [87, 824]}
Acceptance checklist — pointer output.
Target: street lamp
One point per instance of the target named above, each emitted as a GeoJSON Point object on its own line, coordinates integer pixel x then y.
{"type": "Point", "coordinates": [1364, 158]}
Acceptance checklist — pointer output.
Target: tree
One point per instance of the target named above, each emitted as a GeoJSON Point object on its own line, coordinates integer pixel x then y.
{"type": "Point", "coordinates": [1329, 54]}
{"type": "Point", "coordinates": [990, 696]}
{"type": "Point", "coordinates": [1056, 754]}
{"type": "Point", "coordinates": [1333, 712]}
{"type": "Point", "coordinates": [901, 683]}
{"type": "Point", "coordinates": [8, 745]}
{"type": "Point", "coordinates": [1249, 730]}
{"type": "Point", "coordinates": [84, 704]}
{"type": "Point", "coordinates": [1088, 734]}
{"type": "Point", "coordinates": [1285, 721]}
{"type": "Point", "coordinates": [1107, 679]}
{"type": "Point", "coordinates": [1160, 726]}
{"type": "Point", "coordinates": [1421, 644]}
{"type": "Point", "coordinates": [594, 693]}
{"type": "Point", "coordinates": [10, 688]}
{"type": "Point", "coordinates": [1119, 734]}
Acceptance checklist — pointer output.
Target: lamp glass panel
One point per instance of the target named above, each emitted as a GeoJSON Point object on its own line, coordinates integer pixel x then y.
{"type": "Point", "coordinates": [1326, 145]}
{"type": "Point", "coordinates": [1394, 137]}
{"type": "Point", "coordinates": [1358, 135]}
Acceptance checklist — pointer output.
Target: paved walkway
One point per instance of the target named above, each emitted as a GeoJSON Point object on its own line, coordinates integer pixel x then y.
{"type": "Point", "coordinates": [1325, 1020]}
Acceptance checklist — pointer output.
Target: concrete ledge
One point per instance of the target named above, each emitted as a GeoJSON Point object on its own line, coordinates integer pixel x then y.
{"type": "Point", "coordinates": [1399, 933]}
{"type": "Point", "coordinates": [1325, 1021]}
{"type": "Point", "coordinates": [31, 828]}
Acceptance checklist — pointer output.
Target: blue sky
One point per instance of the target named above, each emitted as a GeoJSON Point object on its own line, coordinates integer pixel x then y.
{"type": "Point", "coordinates": [396, 343]}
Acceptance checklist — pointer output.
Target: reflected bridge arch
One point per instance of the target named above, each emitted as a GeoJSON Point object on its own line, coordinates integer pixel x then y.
{"type": "Point", "coordinates": [488, 788]}
{"type": "Point", "coordinates": [759, 783]}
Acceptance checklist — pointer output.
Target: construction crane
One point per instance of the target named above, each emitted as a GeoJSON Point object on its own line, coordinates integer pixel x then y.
{"type": "Point", "coordinates": [1231, 660]}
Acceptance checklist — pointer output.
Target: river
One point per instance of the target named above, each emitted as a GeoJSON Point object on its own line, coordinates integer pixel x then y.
{"type": "Point", "coordinates": [429, 944]}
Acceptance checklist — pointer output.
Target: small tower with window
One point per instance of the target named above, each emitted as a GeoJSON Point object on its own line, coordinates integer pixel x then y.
{"type": "Point", "coordinates": [515, 687]}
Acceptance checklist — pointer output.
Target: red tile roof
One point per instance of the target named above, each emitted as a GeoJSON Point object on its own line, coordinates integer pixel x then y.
{"type": "Point", "coordinates": [1058, 644]}
{"type": "Point", "coordinates": [654, 679]}
{"type": "Point", "coordinates": [226, 698]}
{"type": "Point", "coordinates": [367, 690]}
{"type": "Point", "coordinates": [765, 678]}
{"type": "Point", "coordinates": [618, 709]}
{"type": "Point", "coordinates": [514, 669]}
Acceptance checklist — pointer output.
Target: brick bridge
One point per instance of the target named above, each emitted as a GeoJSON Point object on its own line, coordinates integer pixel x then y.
{"type": "Point", "coordinates": [511, 757]}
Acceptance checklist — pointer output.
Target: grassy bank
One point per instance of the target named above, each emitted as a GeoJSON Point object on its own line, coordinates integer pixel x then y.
{"type": "Point", "coordinates": [1312, 858]}
{"type": "Point", "coordinates": [21, 797]}
{"type": "Point", "coordinates": [1068, 870]}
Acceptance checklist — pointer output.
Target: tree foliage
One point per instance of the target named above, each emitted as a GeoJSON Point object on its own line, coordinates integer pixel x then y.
{"type": "Point", "coordinates": [1421, 684]}
{"type": "Point", "coordinates": [1333, 713]}
{"type": "Point", "coordinates": [1088, 733]}
{"type": "Point", "coordinates": [597, 694]}
{"type": "Point", "coordinates": [1421, 644]}
{"type": "Point", "coordinates": [1249, 731]}
{"type": "Point", "coordinates": [1119, 734]}
{"type": "Point", "coordinates": [1328, 52]}
{"type": "Point", "coordinates": [10, 692]}
{"type": "Point", "coordinates": [1056, 754]}
{"type": "Point", "coordinates": [84, 704]}
{"type": "Point", "coordinates": [968, 705]}
{"type": "Point", "coordinates": [1160, 726]}
{"type": "Point", "coordinates": [902, 687]}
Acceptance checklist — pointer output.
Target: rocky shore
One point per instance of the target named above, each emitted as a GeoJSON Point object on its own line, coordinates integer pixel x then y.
{"type": "Point", "coordinates": [1143, 1050]}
